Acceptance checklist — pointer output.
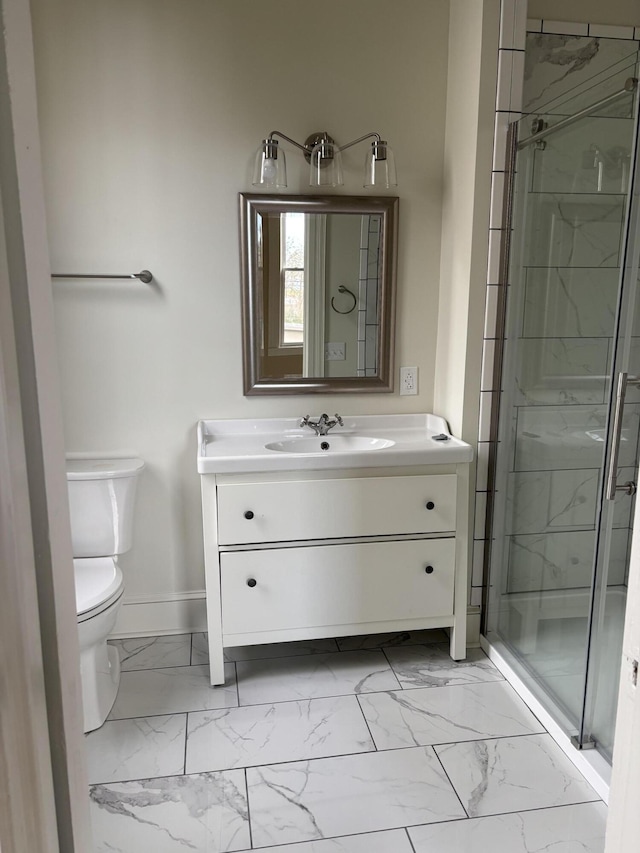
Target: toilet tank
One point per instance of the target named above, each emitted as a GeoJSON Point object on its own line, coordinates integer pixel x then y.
{"type": "Point", "coordinates": [101, 499]}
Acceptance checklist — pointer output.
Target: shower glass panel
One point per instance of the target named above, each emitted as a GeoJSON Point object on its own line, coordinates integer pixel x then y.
{"type": "Point", "coordinates": [559, 553]}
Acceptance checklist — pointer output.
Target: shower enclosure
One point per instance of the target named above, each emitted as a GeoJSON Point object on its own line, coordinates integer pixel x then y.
{"type": "Point", "coordinates": [567, 419]}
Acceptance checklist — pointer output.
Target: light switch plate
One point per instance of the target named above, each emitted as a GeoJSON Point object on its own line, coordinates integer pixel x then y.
{"type": "Point", "coordinates": [335, 351]}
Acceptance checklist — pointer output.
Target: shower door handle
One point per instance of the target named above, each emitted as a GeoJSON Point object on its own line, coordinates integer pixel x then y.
{"type": "Point", "coordinates": [623, 380]}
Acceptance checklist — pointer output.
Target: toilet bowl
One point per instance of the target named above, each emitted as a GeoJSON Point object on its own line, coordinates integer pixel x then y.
{"type": "Point", "coordinates": [99, 589]}
{"type": "Point", "coordinates": [101, 499]}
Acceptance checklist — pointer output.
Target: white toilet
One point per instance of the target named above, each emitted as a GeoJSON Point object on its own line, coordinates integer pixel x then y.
{"type": "Point", "coordinates": [101, 500]}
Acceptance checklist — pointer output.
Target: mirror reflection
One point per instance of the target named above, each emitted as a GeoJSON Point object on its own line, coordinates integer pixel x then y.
{"type": "Point", "coordinates": [318, 277]}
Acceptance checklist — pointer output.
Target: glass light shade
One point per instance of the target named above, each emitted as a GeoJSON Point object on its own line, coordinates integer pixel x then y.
{"type": "Point", "coordinates": [270, 168]}
{"type": "Point", "coordinates": [380, 166]}
{"type": "Point", "coordinates": [326, 165]}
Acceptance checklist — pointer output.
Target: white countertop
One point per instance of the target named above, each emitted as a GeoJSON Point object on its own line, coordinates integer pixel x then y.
{"type": "Point", "coordinates": [238, 446]}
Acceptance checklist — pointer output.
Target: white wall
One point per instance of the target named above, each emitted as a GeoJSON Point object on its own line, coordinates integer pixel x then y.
{"type": "Point", "coordinates": [150, 113]}
{"type": "Point", "coordinates": [473, 59]}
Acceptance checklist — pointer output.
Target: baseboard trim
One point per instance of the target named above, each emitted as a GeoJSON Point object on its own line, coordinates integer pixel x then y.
{"type": "Point", "coordinates": [473, 627]}
{"type": "Point", "coordinates": [161, 615]}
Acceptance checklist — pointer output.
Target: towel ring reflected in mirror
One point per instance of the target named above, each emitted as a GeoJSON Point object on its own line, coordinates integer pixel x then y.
{"type": "Point", "coordinates": [343, 289]}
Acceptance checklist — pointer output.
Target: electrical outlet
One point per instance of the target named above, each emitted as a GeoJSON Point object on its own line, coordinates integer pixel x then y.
{"type": "Point", "coordinates": [408, 380]}
{"type": "Point", "coordinates": [335, 351]}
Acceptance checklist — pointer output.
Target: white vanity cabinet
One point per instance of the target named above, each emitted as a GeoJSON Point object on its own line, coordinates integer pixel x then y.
{"type": "Point", "coordinates": [295, 555]}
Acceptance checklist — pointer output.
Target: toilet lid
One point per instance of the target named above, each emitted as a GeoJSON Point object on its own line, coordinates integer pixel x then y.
{"type": "Point", "coordinates": [103, 469]}
{"type": "Point", "coordinates": [97, 580]}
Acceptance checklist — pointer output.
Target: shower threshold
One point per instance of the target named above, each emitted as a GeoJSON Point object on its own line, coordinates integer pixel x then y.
{"type": "Point", "coordinates": [593, 766]}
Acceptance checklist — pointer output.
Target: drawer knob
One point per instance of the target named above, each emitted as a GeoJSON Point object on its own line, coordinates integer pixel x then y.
{"type": "Point", "coordinates": [428, 570]}
{"type": "Point", "coordinates": [252, 582]}
{"type": "Point", "coordinates": [248, 515]}
{"type": "Point", "coordinates": [430, 505]}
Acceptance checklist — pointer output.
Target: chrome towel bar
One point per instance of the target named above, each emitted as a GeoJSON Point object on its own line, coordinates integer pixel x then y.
{"type": "Point", "coordinates": [144, 276]}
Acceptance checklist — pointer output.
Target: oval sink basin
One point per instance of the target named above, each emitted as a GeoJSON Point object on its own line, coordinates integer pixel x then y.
{"type": "Point", "coordinates": [330, 444]}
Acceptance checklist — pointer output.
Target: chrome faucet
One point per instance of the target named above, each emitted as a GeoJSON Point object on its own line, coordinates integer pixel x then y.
{"type": "Point", "coordinates": [323, 424]}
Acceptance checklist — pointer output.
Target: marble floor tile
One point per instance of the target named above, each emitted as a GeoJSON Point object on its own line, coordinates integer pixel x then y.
{"type": "Point", "coordinates": [172, 691]}
{"type": "Point", "coordinates": [432, 666]}
{"type": "Point", "coordinates": [266, 734]}
{"type": "Point", "coordinates": [567, 829]}
{"type": "Point", "coordinates": [508, 774]}
{"type": "Point", "coordinates": [466, 712]}
{"type": "Point", "coordinates": [313, 676]}
{"type": "Point", "coordinates": [200, 649]}
{"type": "Point", "coordinates": [309, 800]}
{"type": "Point", "coordinates": [122, 750]}
{"type": "Point", "coordinates": [153, 652]}
{"type": "Point", "coordinates": [400, 638]}
{"type": "Point", "coordinates": [206, 812]}
{"type": "Point", "coordinates": [393, 841]}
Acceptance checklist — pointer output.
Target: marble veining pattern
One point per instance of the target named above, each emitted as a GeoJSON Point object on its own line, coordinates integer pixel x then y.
{"type": "Point", "coordinates": [508, 774]}
{"type": "Point", "coordinates": [431, 666]}
{"type": "Point", "coordinates": [550, 501]}
{"type": "Point", "coordinates": [302, 801]}
{"type": "Point", "coordinates": [385, 766]}
{"type": "Point", "coordinates": [575, 230]}
{"type": "Point", "coordinates": [465, 712]}
{"type": "Point", "coordinates": [171, 690]}
{"type": "Point", "coordinates": [313, 676]}
{"type": "Point", "coordinates": [567, 371]}
{"type": "Point", "coordinates": [122, 750]}
{"type": "Point", "coordinates": [550, 560]}
{"type": "Point", "coordinates": [206, 812]}
{"type": "Point", "coordinates": [570, 829]}
{"type": "Point", "coordinates": [286, 731]}
{"type": "Point", "coordinates": [393, 841]}
{"type": "Point", "coordinates": [561, 302]}
{"type": "Point", "coordinates": [153, 652]}
{"type": "Point", "coordinates": [560, 70]}
{"type": "Point", "coordinates": [562, 560]}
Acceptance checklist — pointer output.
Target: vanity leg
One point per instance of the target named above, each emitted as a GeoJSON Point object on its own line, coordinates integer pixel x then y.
{"type": "Point", "coordinates": [212, 580]}
{"type": "Point", "coordinates": [458, 639]}
{"type": "Point", "coordinates": [216, 661]}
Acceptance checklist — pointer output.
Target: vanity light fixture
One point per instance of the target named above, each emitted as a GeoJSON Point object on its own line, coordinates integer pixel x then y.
{"type": "Point", "coordinates": [324, 156]}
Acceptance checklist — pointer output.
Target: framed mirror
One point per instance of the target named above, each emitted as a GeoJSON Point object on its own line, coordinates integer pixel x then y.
{"type": "Point", "coordinates": [318, 293]}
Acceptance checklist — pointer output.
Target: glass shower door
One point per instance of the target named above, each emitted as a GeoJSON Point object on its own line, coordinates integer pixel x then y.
{"type": "Point", "coordinates": [616, 519]}
{"type": "Point", "coordinates": [568, 328]}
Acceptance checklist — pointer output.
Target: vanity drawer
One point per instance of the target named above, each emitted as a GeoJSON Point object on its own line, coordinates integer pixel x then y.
{"type": "Point", "coordinates": [329, 509]}
{"type": "Point", "coordinates": [334, 585]}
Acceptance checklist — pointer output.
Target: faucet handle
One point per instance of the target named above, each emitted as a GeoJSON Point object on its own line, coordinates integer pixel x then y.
{"type": "Point", "coordinates": [304, 421]}
{"type": "Point", "coordinates": [339, 419]}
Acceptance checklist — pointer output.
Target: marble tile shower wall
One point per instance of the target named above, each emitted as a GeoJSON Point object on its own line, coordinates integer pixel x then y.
{"type": "Point", "coordinates": [511, 58]}
{"type": "Point", "coordinates": [565, 320]}
{"type": "Point", "coordinates": [368, 296]}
